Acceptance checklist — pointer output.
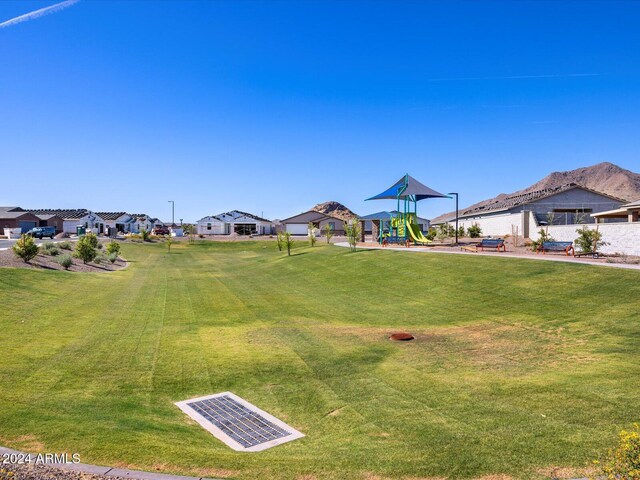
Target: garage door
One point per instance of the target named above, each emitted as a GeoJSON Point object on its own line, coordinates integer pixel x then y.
{"type": "Point", "coordinates": [26, 226]}
{"type": "Point", "coordinates": [297, 228]}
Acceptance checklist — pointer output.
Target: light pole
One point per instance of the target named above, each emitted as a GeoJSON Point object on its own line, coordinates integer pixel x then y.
{"type": "Point", "coordinates": [454, 193]}
{"type": "Point", "coordinates": [173, 212]}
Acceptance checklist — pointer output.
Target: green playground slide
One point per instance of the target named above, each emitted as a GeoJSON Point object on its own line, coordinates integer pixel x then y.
{"type": "Point", "coordinates": [416, 234]}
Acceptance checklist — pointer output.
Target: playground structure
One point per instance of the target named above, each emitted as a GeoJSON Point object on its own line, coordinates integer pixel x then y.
{"type": "Point", "coordinates": [400, 227]}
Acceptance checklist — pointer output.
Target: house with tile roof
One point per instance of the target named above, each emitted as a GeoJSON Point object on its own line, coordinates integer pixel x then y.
{"type": "Point", "coordinates": [234, 222]}
{"type": "Point", "coordinates": [565, 204]}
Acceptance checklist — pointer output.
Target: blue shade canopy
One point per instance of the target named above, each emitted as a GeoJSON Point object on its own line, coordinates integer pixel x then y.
{"type": "Point", "coordinates": [408, 187]}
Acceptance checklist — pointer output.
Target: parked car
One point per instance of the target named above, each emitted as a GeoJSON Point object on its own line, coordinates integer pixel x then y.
{"type": "Point", "coordinates": [40, 232]}
{"type": "Point", "coordinates": [160, 231]}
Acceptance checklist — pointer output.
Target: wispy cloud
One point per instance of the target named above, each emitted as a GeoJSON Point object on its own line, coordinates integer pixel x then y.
{"type": "Point", "coordinates": [38, 13]}
{"type": "Point", "coordinates": [515, 77]}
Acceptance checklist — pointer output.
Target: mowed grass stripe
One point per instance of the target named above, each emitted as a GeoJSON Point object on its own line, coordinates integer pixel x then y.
{"type": "Point", "coordinates": [517, 365]}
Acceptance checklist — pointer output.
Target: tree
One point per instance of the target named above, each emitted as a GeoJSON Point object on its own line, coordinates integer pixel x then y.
{"type": "Point", "coordinates": [352, 230]}
{"type": "Point", "coordinates": [312, 231]}
{"type": "Point", "coordinates": [288, 241]}
{"type": "Point", "coordinates": [328, 232]}
{"type": "Point", "coordinates": [589, 240]}
{"type": "Point", "coordinates": [86, 248]}
{"type": "Point", "coordinates": [113, 247]}
{"type": "Point", "coordinates": [169, 243]}
{"type": "Point", "coordinates": [25, 248]}
{"type": "Point", "coordinates": [280, 240]}
{"type": "Point", "coordinates": [474, 231]}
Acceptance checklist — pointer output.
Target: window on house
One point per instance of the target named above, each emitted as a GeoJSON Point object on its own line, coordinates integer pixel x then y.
{"type": "Point", "coordinates": [208, 226]}
{"type": "Point", "coordinates": [332, 226]}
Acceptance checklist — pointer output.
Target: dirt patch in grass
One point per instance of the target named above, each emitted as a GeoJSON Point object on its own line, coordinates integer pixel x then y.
{"type": "Point", "coordinates": [48, 262]}
{"type": "Point", "coordinates": [568, 472]}
{"type": "Point", "coordinates": [486, 346]}
{"type": "Point", "coordinates": [26, 443]}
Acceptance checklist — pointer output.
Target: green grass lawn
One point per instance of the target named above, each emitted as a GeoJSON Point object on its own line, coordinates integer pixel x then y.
{"type": "Point", "coordinates": [518, 365]}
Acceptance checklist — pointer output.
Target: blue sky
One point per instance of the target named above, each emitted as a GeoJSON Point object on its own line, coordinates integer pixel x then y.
{"type": "Point", "coordinates": [272, 107]}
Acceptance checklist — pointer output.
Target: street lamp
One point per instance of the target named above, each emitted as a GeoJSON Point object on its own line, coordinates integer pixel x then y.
{"type": "Point", "coordinates": [173, 212]}
{"type": "Point", "coordinates": [454, 193]}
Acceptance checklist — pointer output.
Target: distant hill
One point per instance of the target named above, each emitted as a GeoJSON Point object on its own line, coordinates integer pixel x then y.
{"type": "Point", "coordinates": [604, 177]}
{"type": "Point", "coordinates": [335, 209]}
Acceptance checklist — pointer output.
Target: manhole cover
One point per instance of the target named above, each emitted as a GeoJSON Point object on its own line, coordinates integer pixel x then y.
{"type": "Point", "coordinates": [401, 337]}
{"type": "Point", "coordinates": [238, 423]}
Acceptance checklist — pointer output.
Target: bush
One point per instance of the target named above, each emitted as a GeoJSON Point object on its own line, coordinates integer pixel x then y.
{"type": "Point", "coordinates": [589, 240]}
{"type": "Point", "coordinates": [49, 249]}
{"type": "Point", "coordinates": [113, 247]}
{"type": "Point", "coordinates": [431, 233]}
{"type": "Point", "coordinates": [288, 241]}
{"type": "Point", "coordinates": [280, 240]}
{"type": "Point", "coordinates": [461, 231]}
{"type": "Point", "coordinates": [352, 230]}
{"type": "Point", "coordinates": [65, 245]}
{"type": "Point", "coordinates": [328, 232]}
{"type": "Point", "coordinates": [100, 259]}
{"type": "Point", "coordinates": [544, 237]}
{"type": "Point", "coordinates": [65, 260]}
{"type": "Point", "coordinates": [623, 462]}
{"type": "Point", "coordinates": [86, 248]}
{"type": "Point", "coordinates": [113, 257]}
{"type": "Point", "coordinates": [312, 231]}
{"type": "Point", "coordinates": [25, 248]}
{"type": "Point", "coordinates": [145, 235]}
{"type": "Point", "coordinates": [474, 231]}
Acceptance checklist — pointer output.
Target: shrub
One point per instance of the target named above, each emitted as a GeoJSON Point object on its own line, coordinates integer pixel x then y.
{"type": "Point", "coordinates": [287, 241]}
{"type": "Point", "coordinates": [112, 257]}
{"type": "Point", "coordinates": [328, 232]}
{"type": "Point", "coordinates": [49, 249]}
{"type": "Point", "coordinates": [461, 231]}
{"type": "Point", "coordinates": [280, 240]}
{"type": "Point", "coordinates": [65, 245]}
{"type": "Point", "coordinates": [623, 461]}
{"type": "Point", "coordinates": [113, 247]}
{"type": "Point", "coordinates": [65, 260]}
{"type": "Point", "coordinates": [544, 237]}
{"type": "Point", "coordinates": [431, 233]}
{"type": "Point", "coordinates": [100, 259]}
{"type": "Point", "coordinates": [25, 248]}
{"type": "Point", "coordinates": [474, 231]}
{"type": "Point", "coordinates": [312, 232]}
{"type": "Point", "coordinates": [352, 230]}
{"type": "Point", "coordinates": [589, 240]}
{"type": "Point", "coordinates": [145, 235]}
{"type": "Point", "coordinates": [86, 248]}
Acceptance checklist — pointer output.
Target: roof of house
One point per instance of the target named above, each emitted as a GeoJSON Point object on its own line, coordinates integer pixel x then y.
{"type": "Point", "coordinates": [513, 201]}
{"type": "Point", "coordinates": [48, 216]}
{"type": "Point", "coordinates": [4, 214]}
{"type": "Point", "coordinates": [235, 214]}
{"type": "Point", "coordinates": [11, 209]}
{"type": "Point", "coordinates": [111, 215]}
{"type": "Point", "coordinates": [69, 214]}
{"type": "Point", "coordinates": [309, 216]}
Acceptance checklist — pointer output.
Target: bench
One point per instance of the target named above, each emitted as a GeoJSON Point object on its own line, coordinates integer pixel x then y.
{"type": "Point", "coordinates": [497, 243]}
{"type": "Point", "coordinates": [566, 247]}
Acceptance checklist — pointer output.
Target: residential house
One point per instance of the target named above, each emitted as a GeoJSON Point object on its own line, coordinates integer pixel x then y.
{"type": "Point", "coordinates": [119, 221]}
{"type": "Point", "coordinates": [566, 204]}
{"type": "Point", "coordinates": [16, 217]}
{"type": "Point", "coordinates": [299, 224]}
{"type": "Point", "coordinates": [235, 221]}
{"type": "Point", "coordinates": [73, 218]}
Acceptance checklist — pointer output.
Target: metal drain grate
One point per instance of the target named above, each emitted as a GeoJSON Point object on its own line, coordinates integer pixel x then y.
{"type": "Point", "coordinates": [239, 424]}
